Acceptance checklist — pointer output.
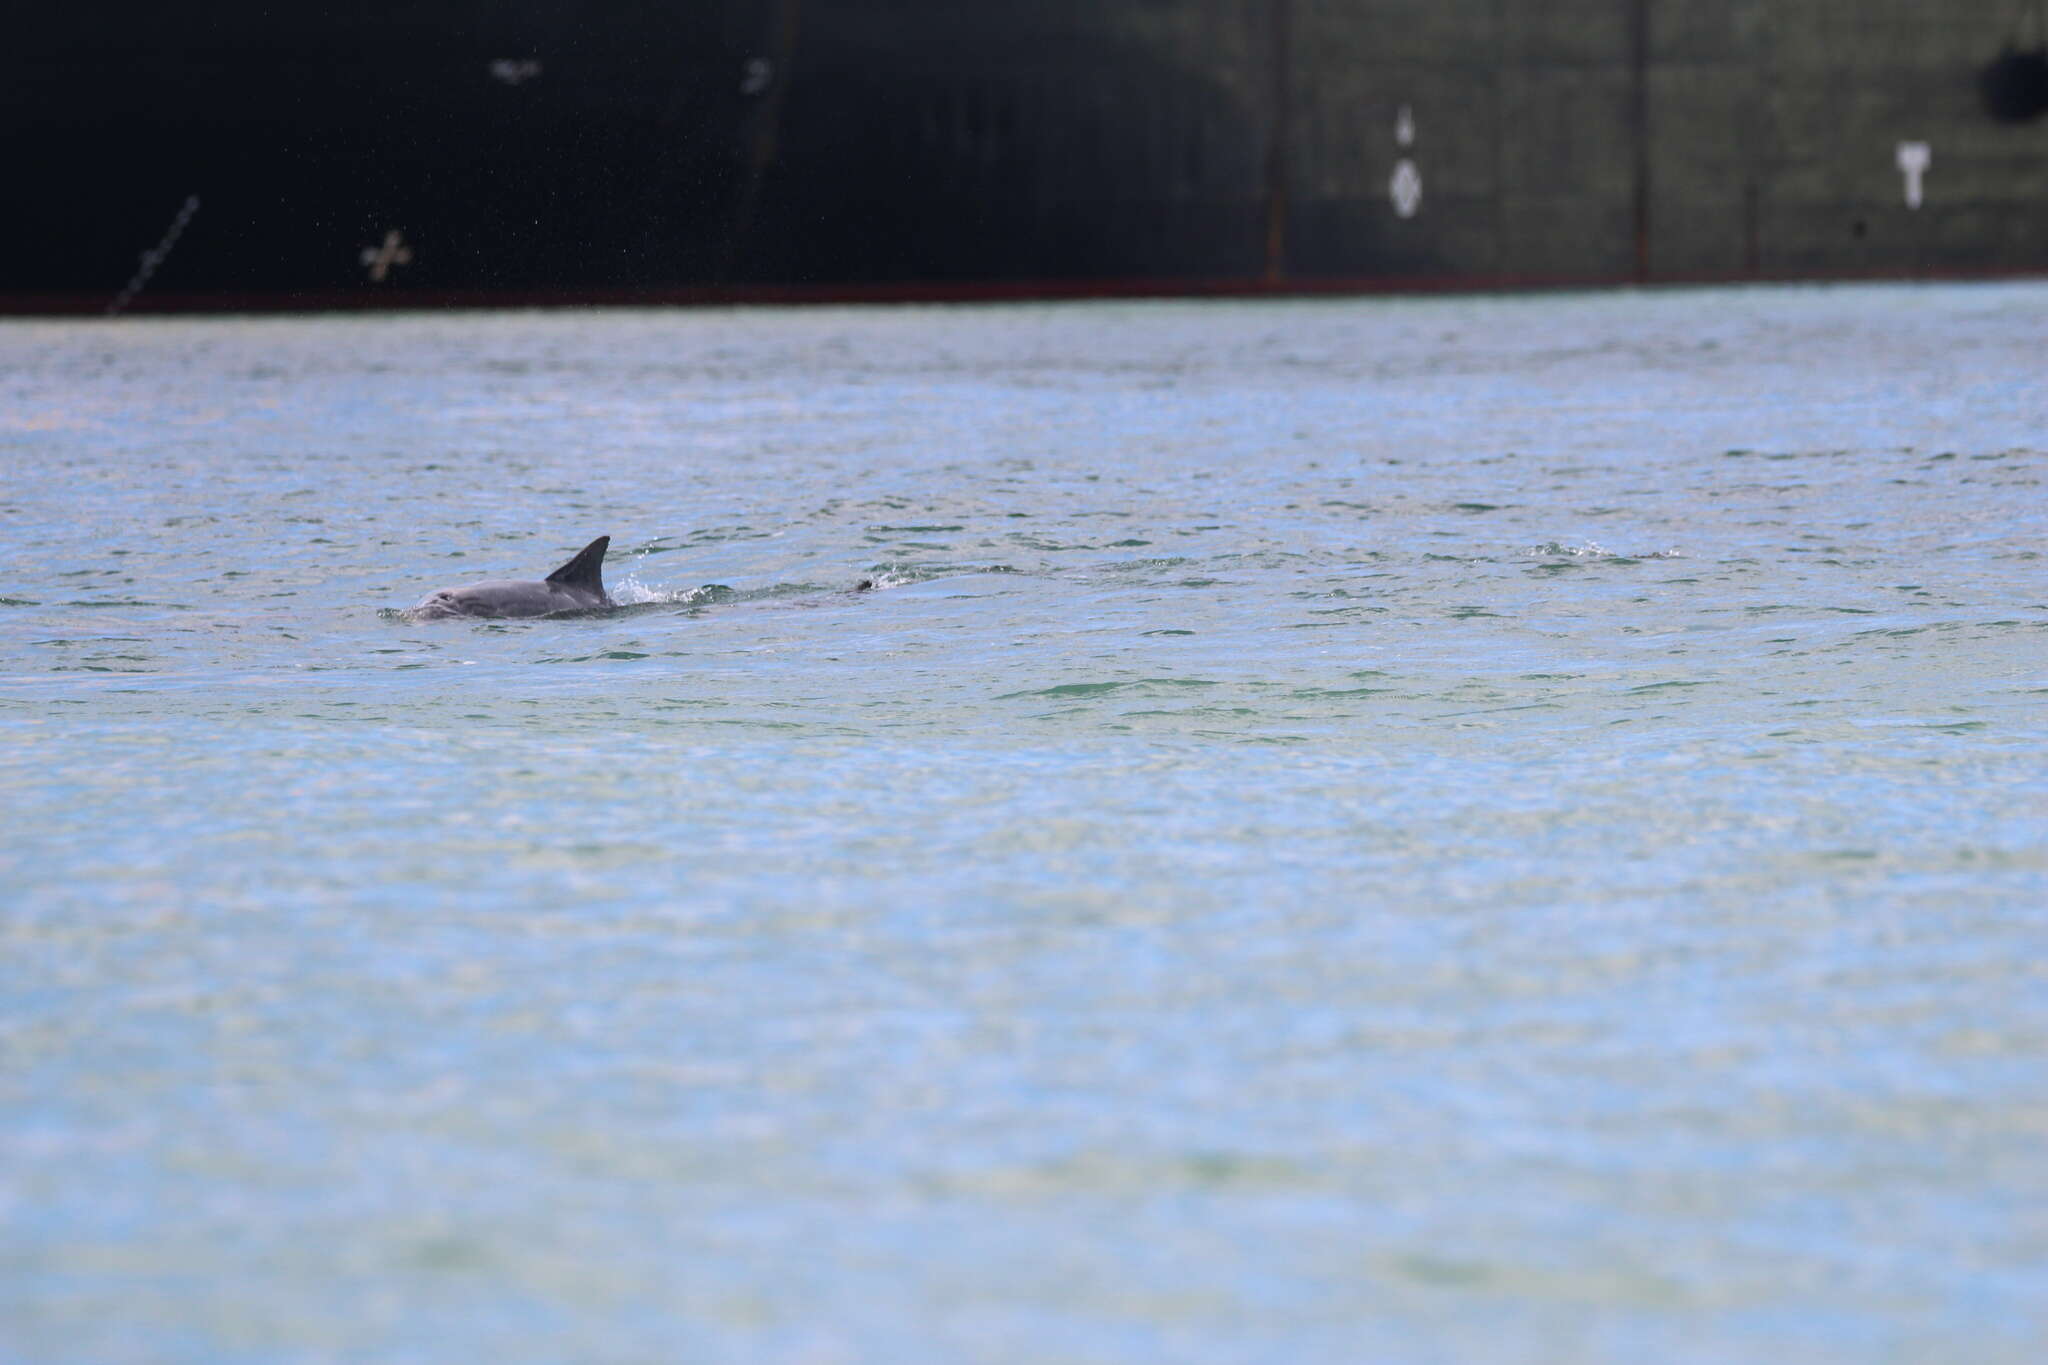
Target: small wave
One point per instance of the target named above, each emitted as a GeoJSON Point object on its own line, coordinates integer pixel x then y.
{"type": "Point", "coordinates": [1120, 567]}
{"type": "Point", "coordinates": [127, 602]}
{"type": "Point", "coordinates": [624, 655]}
{"type": "Point", "coordinates": [1142, 686]}
{"type": "Point", "coordinates": [1593, 549]}
{"type": "Point", "coordinates": [902, 574]}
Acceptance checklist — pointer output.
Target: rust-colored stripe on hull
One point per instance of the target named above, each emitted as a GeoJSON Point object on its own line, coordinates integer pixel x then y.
{"type": "Point", "coordinates": [939, 292]}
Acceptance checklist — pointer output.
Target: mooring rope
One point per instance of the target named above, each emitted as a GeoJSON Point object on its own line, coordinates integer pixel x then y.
{"type": "Point", "coordinates": [154, 257]}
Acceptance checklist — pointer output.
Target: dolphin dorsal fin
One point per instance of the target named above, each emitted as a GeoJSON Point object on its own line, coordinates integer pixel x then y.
{"type": "Point", "coordinates": [586, 570]}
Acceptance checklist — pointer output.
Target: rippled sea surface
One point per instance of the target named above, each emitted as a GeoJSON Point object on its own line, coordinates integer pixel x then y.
{"type": "Point", "coordinates": [1473, 830]}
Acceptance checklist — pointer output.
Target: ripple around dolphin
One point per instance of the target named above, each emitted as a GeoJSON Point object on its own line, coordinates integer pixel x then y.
{"type": "Point", "coordinates": [633, 598]}
{"type": "Point", "coordinates": [902, 573]}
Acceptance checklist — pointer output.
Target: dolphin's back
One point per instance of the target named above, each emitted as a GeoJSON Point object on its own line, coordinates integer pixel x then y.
{"type": "Point", "coordinates": [576, 586]}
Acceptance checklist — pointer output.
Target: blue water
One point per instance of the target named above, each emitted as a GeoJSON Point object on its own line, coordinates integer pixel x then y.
{"type": "Point", "coordinates": [1464, 830]}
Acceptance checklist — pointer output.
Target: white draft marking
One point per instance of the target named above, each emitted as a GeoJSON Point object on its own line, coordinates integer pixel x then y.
{"type": "Point", "coordinates": [756, 75]}
{"type": "Point", "coordinates": [1405, 186]}
{"type": "Point", "coordinates": [1405, 189]}
{"type": "Point", "coordinates": [380, 259]}
{"type": "Point", "coordinates": [1914, 159]}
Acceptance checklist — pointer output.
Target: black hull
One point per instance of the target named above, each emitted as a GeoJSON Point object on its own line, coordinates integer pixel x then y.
{"type": "Point", "coordinates": [450, 154]}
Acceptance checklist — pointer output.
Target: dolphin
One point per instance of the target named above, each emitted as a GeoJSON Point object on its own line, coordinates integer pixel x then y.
{"type": "Point", "coordinates": [576, 586]}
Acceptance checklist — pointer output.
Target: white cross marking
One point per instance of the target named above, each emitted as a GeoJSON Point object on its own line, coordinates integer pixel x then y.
{"type": "Point", "coordinates": [380, 259]}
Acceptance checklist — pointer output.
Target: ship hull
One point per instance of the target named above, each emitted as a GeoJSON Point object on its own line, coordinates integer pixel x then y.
{"type": "Point", "coordinates": [445, 154]}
